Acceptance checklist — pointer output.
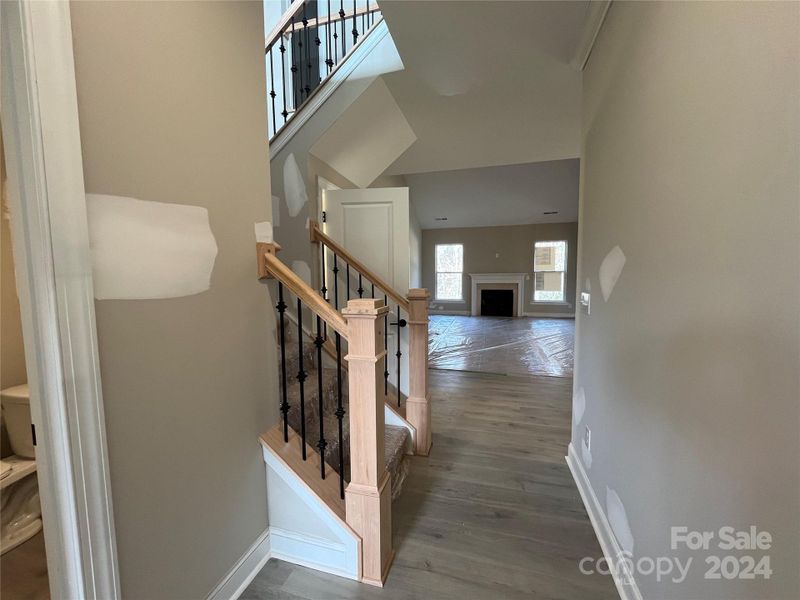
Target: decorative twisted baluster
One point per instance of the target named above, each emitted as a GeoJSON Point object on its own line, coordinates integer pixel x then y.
{"type": "Point", "coordinates": [301, 377]}
{"type": "Point", "coordinates": [340, 412]}
{"type": "Point", "coordinates": [335, 281]}
{"type": "Point", "coordinates": [398, 354]}
{"type": "Point", "coordinates": [281, 306]}
{"type": "Point", "coordinates": [386, 349]}
{"type": "Point", "coordinates": [321, 444]}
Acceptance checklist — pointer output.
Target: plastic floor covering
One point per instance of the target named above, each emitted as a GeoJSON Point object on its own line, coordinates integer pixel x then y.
{"type": "Point", "coordinates": [511, 346]}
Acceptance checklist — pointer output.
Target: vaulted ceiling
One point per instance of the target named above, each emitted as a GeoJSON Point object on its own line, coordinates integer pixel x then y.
{"type": "Point", "coordinates": [486, 83]}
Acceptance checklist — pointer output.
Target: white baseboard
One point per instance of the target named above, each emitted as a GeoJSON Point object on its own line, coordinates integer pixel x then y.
{"type": "Point", "coordinates": [549, 315]}
{"type": "Point", "coordinates": [245, 570]}
{"type": "Point", "coordinates": [602, 528]}
{"type": "Point", "coordinates": [444, 311]}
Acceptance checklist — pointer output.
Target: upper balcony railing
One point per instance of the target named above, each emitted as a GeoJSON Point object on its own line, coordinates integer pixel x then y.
{"type": "Point", "coordinates": [312, 38]}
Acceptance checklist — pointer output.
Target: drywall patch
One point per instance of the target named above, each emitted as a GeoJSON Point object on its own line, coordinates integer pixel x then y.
{"type": "Point", "coordinates": [618, 519]}
{"type": "Point", "coordinates": [148, 250]}
{"type": "Point", "coordinates": [586, 453]}
{"type": "Point", "coordinates": [302, 270]}
{"type": "Point", "coordinates": [264, 232]}
{"type": "Point", "coordinates": [578, 405]}
{"type": "Point", "coordinates": [294, 187]}
{"type": "Point", "coordinates": [610, 270]}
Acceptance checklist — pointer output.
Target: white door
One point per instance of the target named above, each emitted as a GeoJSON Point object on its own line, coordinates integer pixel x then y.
{"type": "Point", "coordinates": [373, 225]}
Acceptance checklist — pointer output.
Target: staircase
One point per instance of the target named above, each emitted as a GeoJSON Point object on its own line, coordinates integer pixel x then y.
{"type": "Point", "coordinates": [338, 456]}
{"type": "Point", "coordinates": [396, 440]}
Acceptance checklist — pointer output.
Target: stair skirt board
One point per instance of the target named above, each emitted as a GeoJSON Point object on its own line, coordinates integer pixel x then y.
{"type": "Point", "coordinates": [294, 511]}
{"type": "Point", "coordinates": [392, 417]}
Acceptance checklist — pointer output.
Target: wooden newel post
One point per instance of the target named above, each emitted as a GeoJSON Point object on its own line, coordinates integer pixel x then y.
{"type": "Point", "coordinates": [418, 404]}
{"type": "Point", "coordinates": [368, 495]}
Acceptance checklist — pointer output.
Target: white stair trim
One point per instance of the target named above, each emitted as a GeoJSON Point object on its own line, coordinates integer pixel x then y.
{"type": "Point", "coordinates": [392, 417]}
{"type": "Point", "coordinates": [342, 557]}
{"type": "Point", "coordinates": [602, 528]}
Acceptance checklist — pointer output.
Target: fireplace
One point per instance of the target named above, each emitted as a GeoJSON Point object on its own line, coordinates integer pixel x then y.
{"type": "Point", "coordinates": [513, 283]}
{"type": "Point", "coordinates": [497, 303]}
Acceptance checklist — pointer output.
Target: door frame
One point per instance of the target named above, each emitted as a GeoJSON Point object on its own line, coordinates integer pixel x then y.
{"type": "Point", "coordinates": [54, 278]}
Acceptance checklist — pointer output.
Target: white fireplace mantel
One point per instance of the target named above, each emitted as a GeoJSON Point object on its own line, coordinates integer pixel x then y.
{"type": "Point", "coordinates": [517, 279]}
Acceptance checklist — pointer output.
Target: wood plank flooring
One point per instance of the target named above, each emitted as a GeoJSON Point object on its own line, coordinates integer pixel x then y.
{"type": "Point", "coordinates": [493, 512]}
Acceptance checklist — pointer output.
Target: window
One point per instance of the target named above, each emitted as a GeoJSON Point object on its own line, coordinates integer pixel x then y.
{"type": "Point", "coordinates": [449, 268]}
{"type": "Point", "coordinates": [549, 270]}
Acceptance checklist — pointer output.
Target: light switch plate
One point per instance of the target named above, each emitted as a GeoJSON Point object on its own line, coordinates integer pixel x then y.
{"type": "Point", "coordinates": [586, 301]}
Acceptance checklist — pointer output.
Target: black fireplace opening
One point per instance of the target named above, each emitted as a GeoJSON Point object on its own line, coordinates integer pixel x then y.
{"type": "Point", "coordinates": [497, 303]}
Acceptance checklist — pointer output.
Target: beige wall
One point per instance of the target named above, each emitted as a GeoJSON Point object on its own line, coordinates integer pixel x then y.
{"type": "Point", "coordinates": [690, 369]}
{"type": "Point", "coordinates": [514, 244]}
{"type": "Point", "coordinates": [171, 98]}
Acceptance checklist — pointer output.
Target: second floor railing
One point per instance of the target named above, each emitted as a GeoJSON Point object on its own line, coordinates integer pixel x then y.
{"type": "Point", "coordinates": [311, 39]}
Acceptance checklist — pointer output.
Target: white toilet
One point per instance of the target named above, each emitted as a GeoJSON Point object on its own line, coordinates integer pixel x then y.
{"type": "Point", "coordinates": [20, 512]}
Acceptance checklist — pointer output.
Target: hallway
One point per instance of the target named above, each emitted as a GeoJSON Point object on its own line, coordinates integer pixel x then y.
{"type": "Point", "coordinates": [503, 345]}
{"type": "Point", "coordinates": [492, 512]}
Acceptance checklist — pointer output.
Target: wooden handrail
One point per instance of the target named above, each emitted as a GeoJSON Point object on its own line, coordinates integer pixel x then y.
{"type": "Point", "coordinates": [275, 267]}
{"type": "Point", "coordinates": [319, 236]}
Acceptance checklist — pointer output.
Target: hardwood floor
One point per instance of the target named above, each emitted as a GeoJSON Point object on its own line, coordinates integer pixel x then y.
{"type": "Point", "coordinates": [493, 512]}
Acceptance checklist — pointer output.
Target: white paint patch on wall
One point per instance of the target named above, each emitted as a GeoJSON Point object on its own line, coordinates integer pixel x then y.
{"type": "Point", "coordinates": [586, 454]}
{"type": "Point", "coordinates": [148, 250]}
{"type": "Point", "coordinates": [264, 232]}
{"type": "Point", "coordinates": [578, 405]}
{"type": "Point", "coordinates": [302, 270]}
{"type": "Point", "coordinates": [610, 270]}
{"type": "Point", "coordinates": [618, 519]}
{"type": "Point", "coordinates": [294, 186]}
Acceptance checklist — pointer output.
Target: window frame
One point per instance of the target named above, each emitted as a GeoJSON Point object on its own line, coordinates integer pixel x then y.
{"type": "Point", "coordinates": [436, 272]}
{"type": "Point", "coordinates": [563, 301]}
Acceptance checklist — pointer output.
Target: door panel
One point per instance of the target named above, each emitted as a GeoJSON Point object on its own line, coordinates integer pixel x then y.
{"type": "Point", "coordinates": [373, 224]}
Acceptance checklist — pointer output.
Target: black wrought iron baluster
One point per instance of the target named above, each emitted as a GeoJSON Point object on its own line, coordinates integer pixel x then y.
{"type": "Point", "coordinates": [317, 44]}
{"type": "Point", "coordinates": [363, 21]}
{"type": "Point", "coordinates": [321, 444]}
{"type": "Point", "coordinates": [386, 348]}
{"type": "Point", "coordinates": [272, 93]}
{"type": "Point", "coordinates": [285, 392]}
{"type": "Point", "coordinates": [282, 48]}
{"type": "Point", "coordinates": [347, 278]}
{"type": "Point", "coordinates": [328, 44]}
{"type": "Point", "coordinates": [373, 291]}
{"type": "Point", "coordinates": [340, 411]}
{"type": "Point", "coordinates": [323, 290]}
{"type": "Point", "coordinates": [355, 24]}
{"type": "Point", "coordinates": [294, 67]}
{"type": "Point", "coordinates": [307, 33]}
{"type": "Point", "coordinates": [301, 377]}
{"type": "Point", "coordinates": [398, 354]}
{"type": "Point", "coordinates": [300, 46]}
{"type": "Point", "coordinates": [335, 39]}
{"type": "Point", "coordinates": [360, 289]}
{"type": "Point", "coordinates": [342, 20]}
{"type": "Point", "coordinates": [335, 281]}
